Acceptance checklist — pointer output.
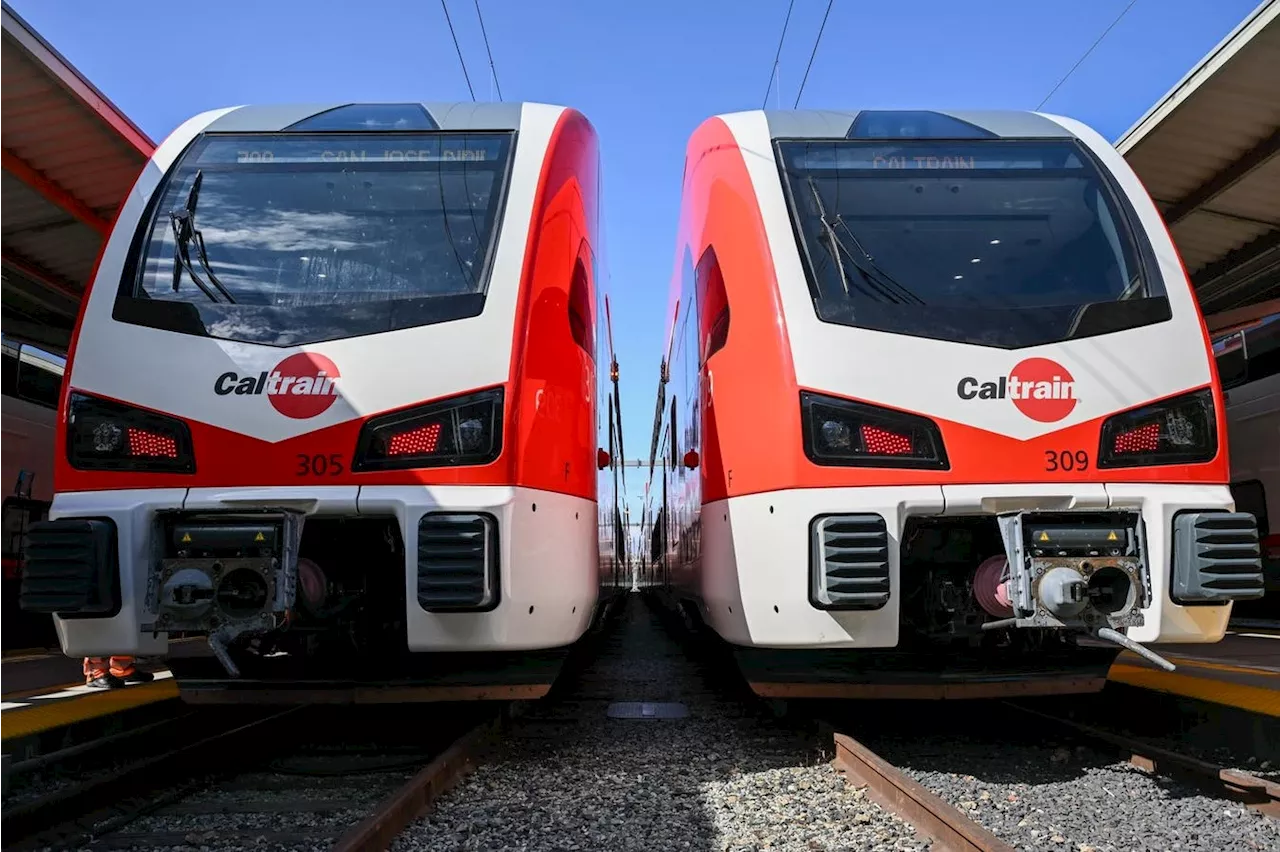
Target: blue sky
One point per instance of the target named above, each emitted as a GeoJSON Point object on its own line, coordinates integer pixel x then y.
{"type": "Point", "coordinates": [645, 73]}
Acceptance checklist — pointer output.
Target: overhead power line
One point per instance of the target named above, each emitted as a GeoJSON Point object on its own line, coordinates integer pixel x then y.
{"type": "Point", "coordinates": [773, 72]}
{"type": "Point", "coordinates": [817, 41]}
{"type": "Point", "coordinates": [465, 75]}
{"type": "Point", "coordinates": [1086, 54]}
{"type": "Point", "coordinates": [492, 69]}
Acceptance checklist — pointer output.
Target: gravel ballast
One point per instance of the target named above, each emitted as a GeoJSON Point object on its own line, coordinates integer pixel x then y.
{"type": "Point", "coordinates": [567, 777]}
{"type": "Point", "coordinates": [1059, 795]}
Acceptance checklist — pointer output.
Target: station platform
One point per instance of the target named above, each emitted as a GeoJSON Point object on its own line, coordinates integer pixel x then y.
{"type": "Point", "coordinates": [43, 690]}
{"type": "Point", "coordinates": [1241, 671]}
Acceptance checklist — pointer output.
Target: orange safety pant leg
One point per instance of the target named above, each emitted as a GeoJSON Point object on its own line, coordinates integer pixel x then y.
{"type": "Point", "coordinates": [94, 668]}
{"type": "Point", "coordinates": [122, 666]}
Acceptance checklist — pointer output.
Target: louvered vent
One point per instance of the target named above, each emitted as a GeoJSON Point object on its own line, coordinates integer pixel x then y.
{"type": "Point", "coordinates": [71, 568]}
{"type": "Point", "coordinates": [1216, 557]}
{"type": "Point", "coordinates": [457, 562]}
{"type": "Point", "coordinates": [850, 562]}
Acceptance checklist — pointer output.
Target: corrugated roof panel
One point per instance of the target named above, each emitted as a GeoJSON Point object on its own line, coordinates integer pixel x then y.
{"type": "Point", "coordinates": [69, 156]}
{"type": "Point", "coordinates": [1257, 198]}
{"type": "Point", "coordinates": [62, 250]}
{"type": "Point", "coordinates": [1203, 237]}
{"type": "Point", "coordinates": [1207, 152]}
{"type": "Point", "coordinates": [46, 127]}
{"type": "Point", "coordinates": [25, 209]}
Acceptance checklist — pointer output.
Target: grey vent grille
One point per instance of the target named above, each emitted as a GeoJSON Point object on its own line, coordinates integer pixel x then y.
{"type": "Point", "coordinates": [457, 562]}
{"type": "Point", "coordinates": [1216, 557]}
{"type": "Point", "coordinates": [850, 562]}
{"type": "Point", "coordinates": [71, 568]}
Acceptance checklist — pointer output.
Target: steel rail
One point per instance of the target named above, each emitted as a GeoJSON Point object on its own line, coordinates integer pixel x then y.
{"type": "Point", "coordinates": [890, 788]}
{"type": "Point", "coordinates": [395, 813]}
{"type": "Point", "coordinates": [1258, 793]}
{"type": "Point", "coordinates": [112, 791]}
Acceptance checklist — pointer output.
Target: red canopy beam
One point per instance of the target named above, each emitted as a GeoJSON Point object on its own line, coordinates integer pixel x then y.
{"type": "Point", "coordinates": [52, 192]}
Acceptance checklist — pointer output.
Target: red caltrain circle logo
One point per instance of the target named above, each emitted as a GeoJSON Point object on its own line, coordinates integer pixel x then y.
{"type": "Point", "coordinates": [1041, 389]}
{"type": "Point", "coordinates": [301, 386]}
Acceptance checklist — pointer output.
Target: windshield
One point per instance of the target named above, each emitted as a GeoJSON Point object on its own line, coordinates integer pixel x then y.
{"type": "Point", "coordinates": [299, 238]}
{"type": "Point", "coordinates": [1003, 243]}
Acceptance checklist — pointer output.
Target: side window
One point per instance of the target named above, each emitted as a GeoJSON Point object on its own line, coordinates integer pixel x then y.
{"type": "Point", "coordinates": [580, 324]}
{"type": "Point", "coordinates": [713, 305]}
{"type": "Point", "coordinates": [1250, 497]}
{"type": "Point", "coordinates": [675, 437]}
{"type": "Point", "coordinates": [612, 454]}
{"type": "Point", "coordinates": [39, 379]}
{"type": "Point", "coordinates": [10, 369]}
{"type": "Point", "coordinates": [1233, 367]}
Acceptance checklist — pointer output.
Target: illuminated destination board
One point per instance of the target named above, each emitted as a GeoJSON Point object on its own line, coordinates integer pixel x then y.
{"type": "Point", "coordinates": [339, 149]}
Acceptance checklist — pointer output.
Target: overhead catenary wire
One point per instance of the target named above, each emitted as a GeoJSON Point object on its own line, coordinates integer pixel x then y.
{"type": "Point", "coordinates": [456, 47]}
{"type": "Point", "coordinates": [817, 41]}
{"type": "Point", "coordinates": [1085, 55]}
{"type": "Point", "coordinates": [773, 72]}
{"type": "Point", "coordinates": [492, 69]}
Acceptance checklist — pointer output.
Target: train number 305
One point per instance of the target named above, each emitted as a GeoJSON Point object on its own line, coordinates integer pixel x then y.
{"type": "Point", "coordinates": [1066, 460]}
{"type": "Point", "coordinates": [319, 465]}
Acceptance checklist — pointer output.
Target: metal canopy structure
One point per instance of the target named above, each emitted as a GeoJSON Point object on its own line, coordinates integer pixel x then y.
{"type": "Point", "coordinates": [1207, 152]}
{"type": "Point", "coordinates": [70, 158]}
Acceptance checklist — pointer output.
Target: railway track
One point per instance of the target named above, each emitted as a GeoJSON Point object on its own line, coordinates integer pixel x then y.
{"type": "Point", "coordinates": [1000, 775]}
{"type": "Point", "coordinates": [283, 779]}
{"type": "Point", "coordinates": [652, 743]}
{"type": "Point", "coordinates": [951, 830]}
{"type": "Point", "coordinates": [1226, 782]}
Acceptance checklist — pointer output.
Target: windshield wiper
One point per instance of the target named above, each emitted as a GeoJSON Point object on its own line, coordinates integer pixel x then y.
{"type": "Point", "coordinates": [886, 280]}
{"type": "Point", "coordinates": [883, 283]}
{"type": "Point", "coordinates": [184, 231]}
{"type": "Point", "coordinates": [833, 243]}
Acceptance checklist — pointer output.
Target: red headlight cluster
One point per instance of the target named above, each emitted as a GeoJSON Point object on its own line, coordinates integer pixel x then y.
{"type": "Point", "coordinates": [1182, 430]}
{"type": "Point", "coordinates": [107, 435]}
{"type": "Point", "coordinates": [462, 431]}
{"type": "Point", "coordinates": [843, 432]}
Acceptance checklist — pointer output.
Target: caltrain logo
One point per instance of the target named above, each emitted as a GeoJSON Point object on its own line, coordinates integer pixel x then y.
{"type": "Point", "coordinates": [300, 386]}
{"type": "Point", "coordinates": [1041, 389]}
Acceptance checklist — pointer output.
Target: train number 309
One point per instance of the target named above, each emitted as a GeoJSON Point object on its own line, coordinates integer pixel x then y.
{"type": "Point", "coordinates": [319, 465]}
{"type": "Point", "coordinates": [1066, 460]}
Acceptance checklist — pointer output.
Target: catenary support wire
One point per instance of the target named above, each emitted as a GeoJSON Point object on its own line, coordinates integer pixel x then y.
{"type": "Point", "coordinates": [773, 72]}
{"type": "Point", "coordinates": [461, 62]}
{"type": "Point", "coordinates": [1085, 55]}
{"type": "Point", "coordinates": [817, 41]}
{"type": "Point", "coordinates": [492, 69]}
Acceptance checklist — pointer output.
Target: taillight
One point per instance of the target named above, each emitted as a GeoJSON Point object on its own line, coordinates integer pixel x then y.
{"type": "Point", "coordinates": [462, 431]}
{"type": "Point", "coordinates": [1182, 430]}
{"type": "Point", "coordinates": [106, 435]}
{"type": "Point", "coordinates": [841, 432]}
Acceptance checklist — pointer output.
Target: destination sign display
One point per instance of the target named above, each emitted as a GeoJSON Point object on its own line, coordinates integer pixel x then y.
{"type": "Point", "coordinates": [928, 157]}
{"type": "Point", "coordinates": [267, 150]}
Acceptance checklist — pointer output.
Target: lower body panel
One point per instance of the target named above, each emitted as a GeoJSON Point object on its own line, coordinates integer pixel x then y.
{"type": "Point", "coordinates": [753, 587]}
{"type": "Point", "coordinates": [543, 560]}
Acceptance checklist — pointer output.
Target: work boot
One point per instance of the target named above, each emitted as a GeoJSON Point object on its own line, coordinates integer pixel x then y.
{"type": "Point", "coordinates": [138, 676]}
{"type": "Point", "coordinates": [105, 681]}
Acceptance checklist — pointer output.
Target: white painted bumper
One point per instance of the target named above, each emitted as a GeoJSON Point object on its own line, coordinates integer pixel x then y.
{"type": "Point", "coordinates": [548, 560]}
{"type": "Point", "coordinates": [753, 576]}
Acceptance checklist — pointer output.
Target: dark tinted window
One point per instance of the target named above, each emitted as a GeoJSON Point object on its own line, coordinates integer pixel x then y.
{"type": "Point", "coordinates": [1250, 496]}
{"type": "Point", "coordinates": [1249, 353]}
{"type": "Point", "coordinates": [1004, 243]}
{"type": "Point", "coordinates": [40, 378]}
{"type": "Point", "coordinates": [316, 237]}
{"type": "Point", "coordinates": [10, 369]}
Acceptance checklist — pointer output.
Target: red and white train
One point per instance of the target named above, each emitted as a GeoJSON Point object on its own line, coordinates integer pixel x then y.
{"type": "Point", "coordinates": [331, 404]}
{"type": "Point", "coordinates": [938, 414]}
